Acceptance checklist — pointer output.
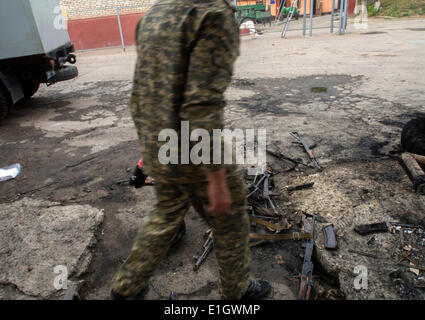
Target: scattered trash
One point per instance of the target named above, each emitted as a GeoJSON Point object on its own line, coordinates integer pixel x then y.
{"type": "Point", "coordinates": [279, 260]}
{"type": "Point", "coordinates": [413, 265]}
{"type": "Point", "coordinates": [407, 248]}
{"type": "Point", "coordinates": [414, 270]}
{"type": "Point", "coordinates": [10, 172]}
{"type": "Point", "coordinates": [409, 266]}
{"type": "Point", "coordinates": [403, 286]}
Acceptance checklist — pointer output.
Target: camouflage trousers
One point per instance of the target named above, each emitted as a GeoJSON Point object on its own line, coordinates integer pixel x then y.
{"type": "Point", "coordinates": [231, 235]}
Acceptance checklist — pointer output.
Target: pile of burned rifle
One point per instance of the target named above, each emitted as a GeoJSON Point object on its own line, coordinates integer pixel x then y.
{"type": "Point", "coordinates": [260, 202]}
{"type": "Point", "coordinates": [263, 211]}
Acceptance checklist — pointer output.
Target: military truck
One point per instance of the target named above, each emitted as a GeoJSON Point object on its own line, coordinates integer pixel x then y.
{"type": "Point", "coordinates": [35, 48]}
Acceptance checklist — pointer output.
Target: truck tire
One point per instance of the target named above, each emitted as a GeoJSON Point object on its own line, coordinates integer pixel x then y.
{"type": "Point", "coordinates": [5, 102]}
{"type": "Point", "coordinates": [65, 73]}
{"type": "Point", "coordinates": [413, 136]}
{"type": "Point", "coordinates": [30, 87]}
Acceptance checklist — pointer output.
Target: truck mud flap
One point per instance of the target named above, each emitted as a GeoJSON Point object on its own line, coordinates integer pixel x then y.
{"type": "Point", "coordinates": [12, 85]}
{"type": "Point", "coordinates": [65, 73]}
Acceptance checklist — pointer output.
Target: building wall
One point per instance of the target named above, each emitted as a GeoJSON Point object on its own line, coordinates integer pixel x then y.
{"type": "Point", "coordinates": [83, 9]}
{"type": "Point", "coordinates": [101, 32]}
{"type": "Point", "coordinates": [94, 24]}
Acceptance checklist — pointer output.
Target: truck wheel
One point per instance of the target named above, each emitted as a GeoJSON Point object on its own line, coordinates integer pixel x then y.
{"type": "Point", "coordinates": [5, 103]}
{"type": "Point", "coordinates": [413, 136]}
{"type": "Point", "coordinates": [30, 87]}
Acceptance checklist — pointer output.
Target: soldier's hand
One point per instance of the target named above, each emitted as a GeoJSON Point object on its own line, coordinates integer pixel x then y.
{"type": "Point", "coordinates": [218, 193]}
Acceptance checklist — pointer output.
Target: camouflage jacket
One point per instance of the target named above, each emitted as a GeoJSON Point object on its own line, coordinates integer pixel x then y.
{"type": "Point", "coordinates": [186, 50]}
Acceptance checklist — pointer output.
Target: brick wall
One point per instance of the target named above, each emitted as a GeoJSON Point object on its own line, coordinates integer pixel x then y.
{"type": "Point", "coordinates": [84, 9]}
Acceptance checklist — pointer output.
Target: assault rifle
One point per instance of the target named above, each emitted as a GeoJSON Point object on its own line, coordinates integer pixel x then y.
{"type": "Point", "coordinates": [208, 245]}
{"type": "Point", "coordinates": [307, 280]}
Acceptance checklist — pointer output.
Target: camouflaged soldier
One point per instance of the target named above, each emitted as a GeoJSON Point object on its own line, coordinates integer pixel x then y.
{"type": "Point", "coordinates": [186, 51]}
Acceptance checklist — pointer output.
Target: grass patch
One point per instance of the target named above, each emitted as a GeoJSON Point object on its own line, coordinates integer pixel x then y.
{"type": "Point", "coordinates": [319, 89]}
{"type": "Point", "coordinates": [398, 8]}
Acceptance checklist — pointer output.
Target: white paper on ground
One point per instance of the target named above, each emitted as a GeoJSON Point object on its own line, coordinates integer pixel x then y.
{"type": "Point", "coordinates": [10, 172]}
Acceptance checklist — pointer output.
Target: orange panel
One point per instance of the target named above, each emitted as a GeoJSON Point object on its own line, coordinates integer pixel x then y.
{"type": "Point", "coordinates": [301, 7]}
{"type": "Point", "coordinates": [326, 6]}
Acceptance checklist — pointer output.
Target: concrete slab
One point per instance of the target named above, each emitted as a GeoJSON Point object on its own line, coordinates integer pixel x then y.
{"type": "Point", "coordinates": [36, 236]}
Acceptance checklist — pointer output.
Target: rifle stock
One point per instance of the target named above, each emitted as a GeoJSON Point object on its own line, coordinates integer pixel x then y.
{"type": "Point", "coordinates": [304, 292]}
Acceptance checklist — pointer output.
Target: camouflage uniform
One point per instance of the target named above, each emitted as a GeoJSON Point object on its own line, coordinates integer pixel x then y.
{"type": "Point", "coordinates": [186, 51]}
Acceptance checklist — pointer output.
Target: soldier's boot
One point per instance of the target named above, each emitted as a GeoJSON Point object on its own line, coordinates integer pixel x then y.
{"type": "Point", "coordinates": [257, 290]}
{"type": "Point", "coordinates": [115, 296]}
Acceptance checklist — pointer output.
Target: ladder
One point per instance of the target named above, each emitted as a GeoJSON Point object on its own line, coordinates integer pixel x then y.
{"type": "Point", "coordinates": [278, 16]}
{"type": "Point", "coordinates": [294, 5]}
